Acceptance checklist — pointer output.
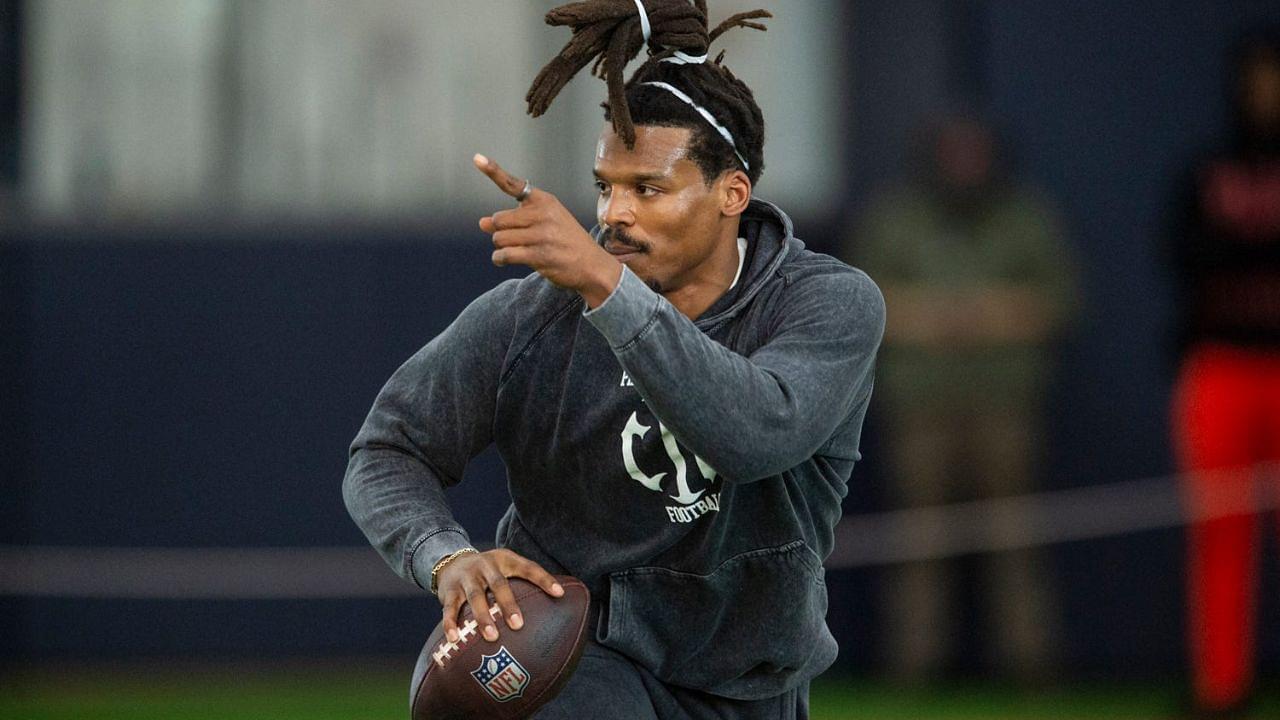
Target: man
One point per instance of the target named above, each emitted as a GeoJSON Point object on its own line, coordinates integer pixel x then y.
{"type": "Point", "coordinates": [1226, 402]}
{"type": "Point", "coordinates": [979, 284]}
{"type": "Point", "coordinates": [678, 398]}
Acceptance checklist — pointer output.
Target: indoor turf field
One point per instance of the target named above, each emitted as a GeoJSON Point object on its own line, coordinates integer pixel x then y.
{"type": "Point", "coordinates": [365, 690]}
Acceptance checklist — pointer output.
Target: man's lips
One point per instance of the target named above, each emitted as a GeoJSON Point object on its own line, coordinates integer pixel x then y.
{"type": "Point", "coordinates": [618, 250]}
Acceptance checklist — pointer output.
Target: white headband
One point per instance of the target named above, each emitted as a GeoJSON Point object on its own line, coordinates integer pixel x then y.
{"type": "Point", "coordinates": [724, 131]}
{"type": "Point", "coordinates": [680, 58]}
{"type": "Point", "coordinates": [645, 27]}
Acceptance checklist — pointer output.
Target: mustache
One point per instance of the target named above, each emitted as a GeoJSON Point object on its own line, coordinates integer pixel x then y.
{"type": "Point", "coordinates": [613, 236]}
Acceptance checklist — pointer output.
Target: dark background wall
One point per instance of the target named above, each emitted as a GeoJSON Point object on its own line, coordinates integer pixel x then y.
{"type": "Point", "coordinates": [170, 389]}
{"type": "Point", "coordinates": [198, 389]}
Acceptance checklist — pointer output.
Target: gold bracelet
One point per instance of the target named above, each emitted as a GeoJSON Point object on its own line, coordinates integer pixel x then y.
{"type": "Point", "coordinates": [435, 571]}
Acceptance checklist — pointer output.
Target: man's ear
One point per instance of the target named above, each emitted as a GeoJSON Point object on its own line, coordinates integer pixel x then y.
{"type": "Point", "coordinates": [735, 193]}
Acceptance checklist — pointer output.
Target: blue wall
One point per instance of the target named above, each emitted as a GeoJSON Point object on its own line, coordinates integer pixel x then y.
{"type": "Point", "coordinates": [202, 391]}
{"type": "Point", "coordinates": [164, 389]}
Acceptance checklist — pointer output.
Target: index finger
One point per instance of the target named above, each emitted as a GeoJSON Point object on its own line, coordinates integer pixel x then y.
{"type": "Point", "coordinates": [505, 181]}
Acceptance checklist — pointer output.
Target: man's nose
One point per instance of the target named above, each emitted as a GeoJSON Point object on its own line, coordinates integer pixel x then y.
{"type": "Point", "coordinates": [617, 211]}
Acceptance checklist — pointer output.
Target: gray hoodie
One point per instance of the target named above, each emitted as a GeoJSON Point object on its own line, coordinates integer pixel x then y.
{"type": "Point", "coordinates": [689, 472]}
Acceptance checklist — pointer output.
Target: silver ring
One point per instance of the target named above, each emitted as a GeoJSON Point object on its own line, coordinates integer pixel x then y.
{"type": "Point", "coordinates": [526, 192]}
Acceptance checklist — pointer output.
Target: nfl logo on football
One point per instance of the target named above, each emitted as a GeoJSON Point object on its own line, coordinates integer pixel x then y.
{"type": "Point", "coordinates": [501, 675]}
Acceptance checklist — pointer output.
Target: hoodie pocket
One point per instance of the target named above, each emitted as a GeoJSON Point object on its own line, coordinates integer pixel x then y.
{"type": "Point", "coordinates": [751, 629]}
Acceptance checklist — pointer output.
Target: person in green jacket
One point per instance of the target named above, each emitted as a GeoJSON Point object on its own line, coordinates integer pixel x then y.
{"type": "Point", "coordinates": [977, 284]}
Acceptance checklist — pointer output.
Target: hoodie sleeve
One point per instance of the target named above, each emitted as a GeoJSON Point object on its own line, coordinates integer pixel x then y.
{"type": "Point", "coordinates": [429, 420]}
{"type": "Point", "coordinates": [752, 417]}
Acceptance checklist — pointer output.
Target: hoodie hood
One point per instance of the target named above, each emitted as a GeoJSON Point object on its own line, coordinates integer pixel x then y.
{"type": "Point", "coordinates": [769, 235]}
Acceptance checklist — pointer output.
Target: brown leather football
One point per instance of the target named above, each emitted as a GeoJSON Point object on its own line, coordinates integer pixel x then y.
{"type": "Point", "coordinates": [509, 678]}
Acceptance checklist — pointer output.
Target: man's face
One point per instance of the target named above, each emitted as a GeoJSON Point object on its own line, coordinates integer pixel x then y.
{"type": "Point", "coordinates": [660, 218]}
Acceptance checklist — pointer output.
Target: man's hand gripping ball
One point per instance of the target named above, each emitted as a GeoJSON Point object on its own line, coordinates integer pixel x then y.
{"type": "Point", "coordinates": [472, 577]}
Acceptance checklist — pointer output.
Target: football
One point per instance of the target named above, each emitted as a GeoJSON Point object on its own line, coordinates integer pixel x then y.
{"type": "Point", "coordinates": [509, 678]}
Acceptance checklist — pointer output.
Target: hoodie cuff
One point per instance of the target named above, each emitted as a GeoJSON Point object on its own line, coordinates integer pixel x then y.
{"type": "Point", "coordinates": [628, 311]}
{"type": "Point", "coordinates": [429, 550]}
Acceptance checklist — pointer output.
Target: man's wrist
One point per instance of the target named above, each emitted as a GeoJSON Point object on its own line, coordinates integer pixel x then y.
{"type": "Point", "coordinates": [440, 565]}
{"type": "Point", "coordinates": [427, 551]}
{"type": "Point", "coordinates": [602, 280]}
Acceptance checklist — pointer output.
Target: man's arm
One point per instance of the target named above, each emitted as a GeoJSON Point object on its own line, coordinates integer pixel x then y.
{"type": "Point", "coordinates": [1030, 306]}
{"type": "Point", "coordinates": [751, 417]}
{"type": "Point", "coordinates": [929, 316]}
{"type": "Point", "coordinates": [434, 415]}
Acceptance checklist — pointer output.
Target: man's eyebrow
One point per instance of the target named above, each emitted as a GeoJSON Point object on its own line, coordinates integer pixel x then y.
{"type": "Point", "coordinates": [637, 179]}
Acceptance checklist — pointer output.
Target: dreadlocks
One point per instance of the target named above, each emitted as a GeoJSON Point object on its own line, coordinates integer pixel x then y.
{"type": "Point", "coordinates": [611, 33]}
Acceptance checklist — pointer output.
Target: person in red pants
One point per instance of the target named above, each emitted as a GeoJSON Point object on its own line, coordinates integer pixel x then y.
{"type": "Point", "coordinates": [1226, 406]}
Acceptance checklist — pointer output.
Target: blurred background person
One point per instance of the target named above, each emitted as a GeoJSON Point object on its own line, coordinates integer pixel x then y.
{"type": "Point", "coordinates": [978, 285]}
{"type": "Point", "coordinates": [1226, 406]}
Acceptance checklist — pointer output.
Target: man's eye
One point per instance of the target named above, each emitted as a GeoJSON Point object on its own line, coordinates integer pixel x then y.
{"type": "Point", "coordinates": [601, 187]}
{"type": "Point", "coordinates": [646, 190]}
